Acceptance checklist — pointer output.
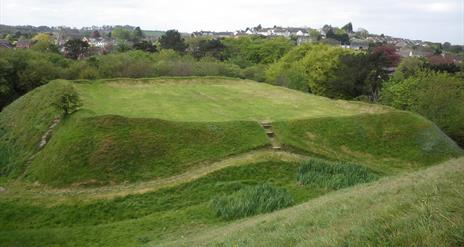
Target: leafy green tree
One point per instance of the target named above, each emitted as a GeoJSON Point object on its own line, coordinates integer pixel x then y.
{"type": "Point", "coordinates": [173, 40]}
{"type": "Point", "coordinates": [145, 46]}
{"type": "Point", "coordinates": [209, 48]}
{"type": "Point", "coordinates": [348, 28]}
{"type": "Point", "coordinates": [436, 95]}
{"type": "Point", "coordinates": [76, 48]}
{"type": "Point", "coordinates": [408, 67]}
{"type": "Point", "coordinates": [121, 34]}
{"type": "Point", "coordinates": [315, 35]}
{"type": "Point", "coordinates": [251, 50]}
{"type": "Point", "coordinates": [137, 35]}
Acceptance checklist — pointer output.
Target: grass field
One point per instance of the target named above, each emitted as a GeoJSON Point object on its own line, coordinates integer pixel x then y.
{"type": "Point", "coordinates": [210, 99]}
{"type": "Point", "coordinates": [179, 161]}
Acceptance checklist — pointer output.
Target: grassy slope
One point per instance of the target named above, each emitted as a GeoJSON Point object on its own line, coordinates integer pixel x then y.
{"type": "Point", "coordinates": [388, 142]}
{"type": "Point", "coordinates": [423, 208]}
{"type": "Point", "coordinates": [207, 99]}
{"type": "Point", "coordinates": [23, 123]}
{"type": "Point", "coordinates": [115, 149]}
{"type": "Point", "coordinates": [158, 214]}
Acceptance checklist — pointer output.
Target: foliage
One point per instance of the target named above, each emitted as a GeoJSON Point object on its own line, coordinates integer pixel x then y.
{"type": "Point", "coordinates": [69, 101]}
{"type": "Point", "coordinates": [145, 46]}
{"type": "Point", "coordinates": [207, 48]}
{"type": "Point", "coordinates": [387, 55]}
{"type": "Point", "coordinates": [348, 28]}
{"type": "Point", "coordinates": [43, 37]}
{"type": "Point", "coordinates": [309, 68]}
{"type": "Point", "coordinates": [247, 51]}
{"type": "Point", "coordinates": [251, 201]}
{"type": "Point", "coordinates": [408, 67]}
{"type": "Point", "coordinates": [173, 40]}
{"type": "Point", "coordinates": [333, 175]}
{"type": "Point", "coordinates": [76, 48]}
{"type": "Point", "coordinates": [437, 96]}
{"type": "Point", "coordinates": [23, 70]}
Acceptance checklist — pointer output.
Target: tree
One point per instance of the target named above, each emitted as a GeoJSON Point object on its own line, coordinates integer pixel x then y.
{"type": "Point", "coordinates": [96, 34]}
{"type": "Point", "coordinates": [145, 46]}
{"type": "Point", "coordinates": [172, 40]}
{"type": "Point", "coordinates": [137, 34]}
{"type": "Point", "coordinates": [435, 95]}
{"type": "Point", "coordinates": [121, 34]}
{"type": "Point", "coordinates": [348, 28]}
{"type": "Point", "coordinates": [76, 48]}
{"type": "Point", "coordinates": [43, 37]}
{"type": "Point", "coordinates": [386, 55]}
{"type": "Point", "coordinates": [315, 35]}
{"type": "Point", "coordinates": [212, 48]}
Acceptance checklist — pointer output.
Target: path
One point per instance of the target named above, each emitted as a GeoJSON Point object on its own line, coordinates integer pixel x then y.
{"type": "Point", "coordinates": [58, 196]}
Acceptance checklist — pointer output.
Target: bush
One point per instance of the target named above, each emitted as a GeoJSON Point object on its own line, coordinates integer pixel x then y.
{"type": "Point", "coordinates": [251, 201]}
{"type": "Point", "coordinates": [437, 96]}
{"type": "Point", "coordinates": [69, 101]}
{"type": "Point", "coordinates": [333, 175]}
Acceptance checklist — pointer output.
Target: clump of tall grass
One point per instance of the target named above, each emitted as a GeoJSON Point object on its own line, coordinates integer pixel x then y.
{"type": "Point", "coordinates": [333, 175]}
{"type": "Point", "coordinates": [251, 200]}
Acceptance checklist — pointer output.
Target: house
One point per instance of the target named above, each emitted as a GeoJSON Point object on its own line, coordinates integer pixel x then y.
{"type": "Point", "coordinates": [5, 44]}
{"type": "Point", "coordinates": [405, 52]}
{"type": "Point", "coordinates": [359, 44]}
{"type": "Point", "coordinates": [24, 44]}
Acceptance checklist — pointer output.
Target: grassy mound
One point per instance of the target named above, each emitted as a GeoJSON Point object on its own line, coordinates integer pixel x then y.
{"type": "Point", "coordinates": [114, 149]}
{"type": "Point", "coordinates": [387, 142]}
{"type": "Point", "coordinates": [333, 175]}
{"type": "Point", "coordinates": [251, 201]}
{"type": "Point", "coordinates": [23, 123]}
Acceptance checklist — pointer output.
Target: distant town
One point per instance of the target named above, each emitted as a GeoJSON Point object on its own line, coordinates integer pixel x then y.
{"type": "Point", "coordinates": [104, 39]}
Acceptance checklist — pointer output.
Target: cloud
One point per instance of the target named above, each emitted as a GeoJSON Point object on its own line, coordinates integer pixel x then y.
{"type": "Point", "coordinates": [418, 19]}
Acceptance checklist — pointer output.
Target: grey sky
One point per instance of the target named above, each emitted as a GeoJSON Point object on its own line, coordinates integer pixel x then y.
{"type": "Point", "coordinates": [433, 20]}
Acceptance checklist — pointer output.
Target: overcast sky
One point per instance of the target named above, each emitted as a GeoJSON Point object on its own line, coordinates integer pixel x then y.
{"type": "Point", "coordinates": [433, 20]}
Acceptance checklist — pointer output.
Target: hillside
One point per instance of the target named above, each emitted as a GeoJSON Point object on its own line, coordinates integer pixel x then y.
{"type": "Point", "coordinates": [144, 161]}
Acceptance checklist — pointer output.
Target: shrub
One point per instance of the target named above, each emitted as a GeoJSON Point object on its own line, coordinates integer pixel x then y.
{"type": "Point", "coordinates": [69, 101]}
{"type": "Point", "coordinates": [251, 201]}
{"type": "Point", "coordinates": [333, 175]}
{"type": "Point", "coordinates": [437, 96]}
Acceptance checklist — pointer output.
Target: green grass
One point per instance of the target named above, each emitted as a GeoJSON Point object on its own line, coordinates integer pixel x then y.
{"type": "Point", "coordinates": [387, 143]}
{"type": "Point", "coordinates": [165, 148]}
{"type": "Point", "coordinates": [207, 99]}
{"type": "Point", "coordinates": [156, 215]}
{"type": "Point", "coordinates": [23, 123]}
{"type": "Point", "coordinates": [252, 200]}
{"type": "Point", "coordinates": [114, 149]}
{"type": "Point", "coordinates": [333, 175]}
{"type": "Point", "coordinates": [422, 208]}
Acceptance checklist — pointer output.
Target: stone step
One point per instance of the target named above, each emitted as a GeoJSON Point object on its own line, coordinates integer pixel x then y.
{"type": "Point", "coordinates": [270, 133]}
{"type": "Point", "coordinates": [276, 148]}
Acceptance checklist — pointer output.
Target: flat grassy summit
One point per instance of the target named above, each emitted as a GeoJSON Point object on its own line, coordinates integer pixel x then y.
{"type": "Point", "coordinates": [209, 99]}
